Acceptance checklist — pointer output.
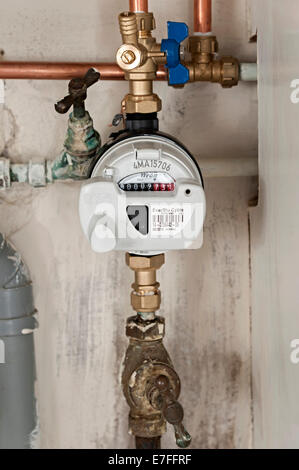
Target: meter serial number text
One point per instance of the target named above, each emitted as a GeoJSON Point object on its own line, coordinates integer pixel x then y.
{"type": "Point", "coordinates": [157, 164]}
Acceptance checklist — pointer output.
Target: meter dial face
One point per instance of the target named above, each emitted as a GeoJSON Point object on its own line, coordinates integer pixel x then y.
{"type": "Point", "coordinates": [147, 181]}
{"type": "Point", "coordinates": [147, 163]}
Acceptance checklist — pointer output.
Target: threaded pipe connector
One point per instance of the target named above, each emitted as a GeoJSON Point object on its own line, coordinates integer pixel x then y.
{"type": "Point", "coordinates": [128, 27]}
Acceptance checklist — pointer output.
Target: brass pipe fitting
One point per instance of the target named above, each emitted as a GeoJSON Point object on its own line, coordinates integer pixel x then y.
{"type": "Point", "coordinates": [128, 27]}
{"type": "Point", "coordinates": [150, 384]}
{"type": "Point", "coordinates": [203, 48]}
{"type": "Point", "coordinates": [146, 358]}
{"type": "Point", "coordinates": [139, 57]}
{"type": "Point", "coordinates": [203, 66]}
{"type": "Point", "coordinates": [146, 296]}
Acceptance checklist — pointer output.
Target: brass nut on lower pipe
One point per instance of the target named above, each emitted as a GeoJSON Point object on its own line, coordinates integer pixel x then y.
{"type": "Point", "coordinates": [146, 296]}
{"type": "Point", "coordinates": [146, 303]}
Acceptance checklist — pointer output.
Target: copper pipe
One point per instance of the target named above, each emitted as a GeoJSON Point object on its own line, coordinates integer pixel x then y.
{"type": "Point", "coordinates": [202, 16]}
{"type": "Point", "coordinates": [63, 70]}
{"type": "Point", "coordinates": [57, 71]}
{"type": "Point", "coordinates": [139, 5]}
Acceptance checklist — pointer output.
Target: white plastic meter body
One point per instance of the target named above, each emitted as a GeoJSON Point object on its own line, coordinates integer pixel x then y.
{"type": "Point", "coordinates": [145, 196]}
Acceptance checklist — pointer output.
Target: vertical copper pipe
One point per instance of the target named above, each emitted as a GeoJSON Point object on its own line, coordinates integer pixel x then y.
{"type": "Point", "coordinates": [202, 16]}
{"type": "Point", "coordinates": [139, 5]}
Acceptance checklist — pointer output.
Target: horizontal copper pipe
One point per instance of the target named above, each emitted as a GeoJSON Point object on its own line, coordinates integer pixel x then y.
{"type": "Point", "coordinates": [64, 70]}
{"type": "Point", "coordinates": [202, 16]}
{"type": "Point", "coordinates": [139, 5]}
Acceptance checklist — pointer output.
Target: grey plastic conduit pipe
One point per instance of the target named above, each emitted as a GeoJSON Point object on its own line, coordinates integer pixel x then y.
{"type": "Point", "coordinates": [17, 362]}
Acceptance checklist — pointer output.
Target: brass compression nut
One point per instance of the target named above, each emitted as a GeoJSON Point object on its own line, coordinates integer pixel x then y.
{"type": "Point", "coordinates": [146, 296]}
{"type": "Point", "coordinates": [146, 303]}
{"type": "Point", "coordinates": [145, 24]}
{"type": "Point", "coordinates": [144, 263]}
{"type": "Point", "coordinates": [142, 104]}
{"type": "Point", "coordinates": [202, 48]}
{"type": "Point", "coordinates": [230, 72]}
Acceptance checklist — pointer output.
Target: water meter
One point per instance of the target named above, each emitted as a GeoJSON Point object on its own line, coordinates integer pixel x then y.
{"type": "Point", "coordinates": [145, 196]}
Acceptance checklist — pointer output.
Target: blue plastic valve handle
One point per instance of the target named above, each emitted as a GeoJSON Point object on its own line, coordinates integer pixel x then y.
{"type": "Point", "coordinates": [177, 32]}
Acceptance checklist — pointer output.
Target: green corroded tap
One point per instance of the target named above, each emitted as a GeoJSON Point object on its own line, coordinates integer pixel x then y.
{"type": "Point", "coordinates": [82, 141]}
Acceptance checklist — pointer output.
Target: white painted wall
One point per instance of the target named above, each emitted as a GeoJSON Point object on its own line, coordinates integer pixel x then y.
{"type": "Point", "coordinates": [83, 299]}
{"type": "Point", "coordinates": [275, 230]}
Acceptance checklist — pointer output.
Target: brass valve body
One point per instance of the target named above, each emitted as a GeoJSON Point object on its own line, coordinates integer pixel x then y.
{"type": "Point", "coordinates": [146, 296]}
{"type": "Point", "coordinates": [150, 383]}
{"type": "Point", "coordinates": [203, 66]}
{"type": "Point", "coordinates": [146, 359]}
{"type": "Point", "coordinates": [139, 56]}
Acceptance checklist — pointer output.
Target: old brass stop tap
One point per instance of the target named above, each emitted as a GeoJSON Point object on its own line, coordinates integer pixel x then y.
{"type": "Point", "coordinates": [150, 383]}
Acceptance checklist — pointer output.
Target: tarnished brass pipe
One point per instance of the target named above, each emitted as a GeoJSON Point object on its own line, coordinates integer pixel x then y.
{"type": "Point", "coordinates": [202, 16]}
{"type": "Point", "coordinates": [137, 6]}
{"type": "Point", "coordinates": [64, 70]}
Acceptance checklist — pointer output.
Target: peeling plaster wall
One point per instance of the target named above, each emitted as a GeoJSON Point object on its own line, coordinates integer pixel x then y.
{"type": "Point", "coordinates": [83, 298]}
{"type": "Point", "coordinates": [275, 232]}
